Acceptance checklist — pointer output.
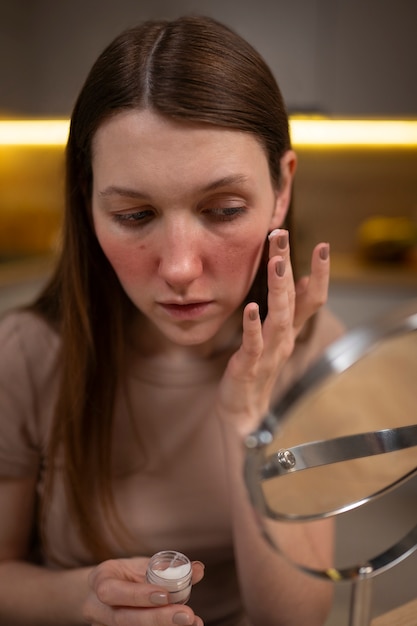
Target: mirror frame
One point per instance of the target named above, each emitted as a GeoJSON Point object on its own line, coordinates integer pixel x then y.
{"type": "Point", "coordinates": [338, 357]}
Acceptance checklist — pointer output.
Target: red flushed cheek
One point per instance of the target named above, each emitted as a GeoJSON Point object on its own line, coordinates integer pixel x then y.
{"type": "Point", "coordinates": [232, 261]}
{"type": "Point", "coordinates": [126, 261]}
{"type": "Point", "coordinates": [240, 260]}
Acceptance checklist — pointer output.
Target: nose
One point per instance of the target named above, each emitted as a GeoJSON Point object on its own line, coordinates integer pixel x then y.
{"type": "Point", "coordinates": [180, 260]}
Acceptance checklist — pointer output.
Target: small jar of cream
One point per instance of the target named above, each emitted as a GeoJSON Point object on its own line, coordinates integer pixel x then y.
{"type": "Point", "coordinates": [173, 571]}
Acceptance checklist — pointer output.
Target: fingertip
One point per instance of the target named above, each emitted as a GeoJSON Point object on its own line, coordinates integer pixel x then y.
{"type": "Point", "coordinates": [252, 342]}
{"type": "Point", "coordinates": [198, 571]}
{"type": "Point", "coordinates": [158, 598]}
{"type": "Point", "coordinates": [324, 251]}
{"type": "Point", "coordinates": [274, 233]}
{"type": "Point", "coordinates": [253, 311]}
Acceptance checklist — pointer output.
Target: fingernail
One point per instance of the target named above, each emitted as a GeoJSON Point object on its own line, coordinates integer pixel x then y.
{"type": "Point", "coordinates": [253, 315]}
{"type": "Point", "coordinates": [324, 252]}
{"type": "Point", "coordinates": [182, 619]}
{"type": "Point", "coordinates": [280, 267]}
{"type": "Point", "coordinates": [282, 240]}
{"type": "Point", "coordinates": [159, 598]}
{"type": "Point", "coordinates": [273, 233]}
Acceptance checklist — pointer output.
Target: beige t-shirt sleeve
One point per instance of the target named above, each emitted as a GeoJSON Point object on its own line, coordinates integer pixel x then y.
{"type": "Point", "coordinates": [26, 353]}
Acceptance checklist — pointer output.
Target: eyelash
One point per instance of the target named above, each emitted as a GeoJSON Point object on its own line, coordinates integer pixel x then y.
{"type": "Point", "coordinates": [140, 218]}
{"type": "Point", "coordinates": [227, 214]}
{"type": "Point", "coordinates": [132, 219]}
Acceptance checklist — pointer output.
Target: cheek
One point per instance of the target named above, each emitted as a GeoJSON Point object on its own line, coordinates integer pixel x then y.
{"type": "Point", "coordinates": [126, 261]}
{"type": "Point", "coordinates": [234, 260]}
{"type": "Point", "coordinates": [240, 260]}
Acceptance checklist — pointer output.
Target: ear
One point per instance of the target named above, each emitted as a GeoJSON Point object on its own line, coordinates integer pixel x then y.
{"type": "Point", "coordinates": [283, 192]}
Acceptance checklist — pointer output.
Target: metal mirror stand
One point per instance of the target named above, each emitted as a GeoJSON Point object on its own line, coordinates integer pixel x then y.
{"type": "Point", "coordinates": [319, 453]}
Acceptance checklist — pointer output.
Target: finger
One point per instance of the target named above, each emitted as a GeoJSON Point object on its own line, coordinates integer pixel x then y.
{"type": "Point", "coordinates": [312, 291]}
{"type": "Point", "coordinates": [278, 242]}
{"type": "Point", "coordinates": [198, 571]}
{"type": "Point", "coordinates": [246, 358]}
{"type": "Point", "coordinates": [171, 614]}
{"type": "Point", "coordinates": [279, 247]}
{"type": "Point", "coordinates": [115, 592]}
{"type": "Point", "coordinates": [243, 364]}
{"type": "Point", "coordinates": [281, 300]}
{"type": "Point", "coordinates": [301, 285]}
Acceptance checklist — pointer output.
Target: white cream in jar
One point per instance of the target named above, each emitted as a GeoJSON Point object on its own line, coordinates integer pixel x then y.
{"type": "Point", "coordinates": [171, 570]}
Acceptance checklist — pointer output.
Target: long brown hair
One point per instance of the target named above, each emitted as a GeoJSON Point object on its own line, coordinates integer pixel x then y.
{"type": "Point", "coordinates": [192, 68]}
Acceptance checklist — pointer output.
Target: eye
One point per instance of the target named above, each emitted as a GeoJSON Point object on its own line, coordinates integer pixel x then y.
{"type": "Point", "coordinates": [224, 214]}
{"type": "Point", "coordinates": [135, 218]}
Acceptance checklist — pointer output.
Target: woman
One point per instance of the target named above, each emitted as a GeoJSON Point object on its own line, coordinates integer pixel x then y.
{"type": "Point", "coordinates": [169, 325]}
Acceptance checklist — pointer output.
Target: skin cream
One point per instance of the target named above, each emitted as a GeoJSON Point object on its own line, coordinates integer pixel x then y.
{"type": "Point", "coordinates": [171, 570]}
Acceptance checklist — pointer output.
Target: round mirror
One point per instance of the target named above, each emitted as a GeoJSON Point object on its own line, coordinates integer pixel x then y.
{"type": "Point", "coordinates": [342, 437]}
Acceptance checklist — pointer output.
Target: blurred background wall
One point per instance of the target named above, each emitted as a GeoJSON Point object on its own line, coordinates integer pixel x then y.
{"type": "Point", "coordinates": [335, 57]}
{"type": "Point", "coordinates": [344, 57]}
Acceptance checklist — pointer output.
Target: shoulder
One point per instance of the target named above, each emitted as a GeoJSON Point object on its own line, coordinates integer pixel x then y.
{"type": "Point", "coordinates": [24, 330]}
{"type": "Point", "coordinates": [29, 350]}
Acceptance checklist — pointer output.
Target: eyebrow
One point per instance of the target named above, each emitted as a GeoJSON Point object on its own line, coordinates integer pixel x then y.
{"type": "Point", "coordinates": [127, 192]}
{"type": "Point", "coordinates": [226, 181]}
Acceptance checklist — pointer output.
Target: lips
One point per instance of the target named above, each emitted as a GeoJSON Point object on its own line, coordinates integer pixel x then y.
{"type": "Point", "coordinates": [185, 310]}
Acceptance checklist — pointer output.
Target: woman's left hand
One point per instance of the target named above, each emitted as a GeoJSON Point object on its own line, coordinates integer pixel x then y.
{"type": "Point", "coordinates": [246, 387]}
{"type": "Point", "coordinates": [120, 594]}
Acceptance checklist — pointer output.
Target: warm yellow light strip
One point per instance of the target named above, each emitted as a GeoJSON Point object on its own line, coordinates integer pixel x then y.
{"type": "Point", "coordinates": [305, 132]}
{"type": "Point", "coordinates": [315, 133]}
{"type": "Point", "coordinates": [33, 132]}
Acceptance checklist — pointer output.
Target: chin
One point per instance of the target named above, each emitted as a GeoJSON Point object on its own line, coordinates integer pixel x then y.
{"type": "Point", "coordinates": [188, 335]}
{"type": "Point", "coordinates": [189, 339]}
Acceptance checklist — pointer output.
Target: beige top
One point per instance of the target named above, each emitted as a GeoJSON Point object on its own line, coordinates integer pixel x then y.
{"type": "Point", "coordinates": [170, 487]}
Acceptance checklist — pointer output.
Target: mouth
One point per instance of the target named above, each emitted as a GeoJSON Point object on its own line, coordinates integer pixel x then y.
{"type": "Point", "coordinates": [186, 310]}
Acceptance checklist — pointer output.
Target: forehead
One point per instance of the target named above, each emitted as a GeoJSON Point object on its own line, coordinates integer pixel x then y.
{"type": "Point", "coordinates": [150, 141]}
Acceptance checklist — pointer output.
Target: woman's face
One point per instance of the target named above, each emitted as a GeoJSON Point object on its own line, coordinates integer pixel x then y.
{"type": "Point", "coordinates": [182, 212]}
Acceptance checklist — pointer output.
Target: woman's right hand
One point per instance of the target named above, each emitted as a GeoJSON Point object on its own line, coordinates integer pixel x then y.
{"type": "Point", "coordinates": [119, 595]}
